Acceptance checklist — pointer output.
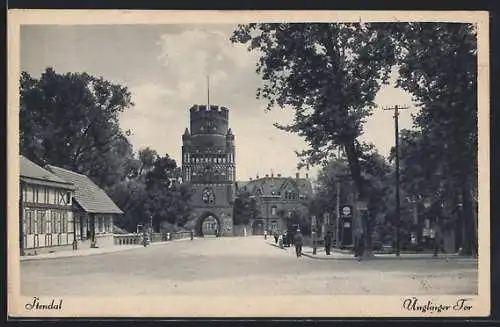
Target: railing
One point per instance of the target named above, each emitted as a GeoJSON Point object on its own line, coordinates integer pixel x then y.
{"type": "Point", "coordinates": [127, 239]}
{"type": "Point", "coordinates": [134, 238]}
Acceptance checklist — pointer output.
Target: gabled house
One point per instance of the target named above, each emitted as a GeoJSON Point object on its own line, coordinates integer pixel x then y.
{"type": "Point", "coordinates": [277, 198]}
{"type": "Point", "coordinates": [93, 209]}
{"type": "Point", "coordinates": [46, 217]}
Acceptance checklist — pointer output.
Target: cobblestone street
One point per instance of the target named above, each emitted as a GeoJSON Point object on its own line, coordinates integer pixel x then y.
{"type": "Point", "coordinates": [246, 266]}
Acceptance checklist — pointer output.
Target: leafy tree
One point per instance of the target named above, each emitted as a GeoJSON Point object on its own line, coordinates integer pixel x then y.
{"type": "Point", "coordinates": [375, 170]}
{"type": "Point", "coordinates": [147, 158]}
{"type": "Point", "coordinates": [71, 120]}
{"type": "Point", "coordinates": [245, 209]}
{"type": "Point", "coordinates": [130, 196]}
{"type": "Point", "coordinates": [329, 74]}
{"type": "Point", "coordinates": [437, 64]}
{"type": "Point", "coordinates": [167, 200]}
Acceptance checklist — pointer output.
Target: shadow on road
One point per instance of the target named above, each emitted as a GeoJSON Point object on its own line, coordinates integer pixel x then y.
{"type": "Point", "coordinates": [277, 246]}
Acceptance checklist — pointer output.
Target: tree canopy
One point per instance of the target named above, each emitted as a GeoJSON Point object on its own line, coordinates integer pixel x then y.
{"type": "Point", "coordinates": [329, 74]}
{"type": "Point", "coordinates": [71, 121]}
{"type": "Point", "coordinates": [245, 208]}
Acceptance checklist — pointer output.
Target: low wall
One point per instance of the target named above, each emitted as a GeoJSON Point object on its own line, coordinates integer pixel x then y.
{"type": "Point", "coordinates": [134, 238]}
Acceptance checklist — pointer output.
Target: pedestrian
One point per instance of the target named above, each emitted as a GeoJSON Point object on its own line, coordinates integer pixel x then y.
{"type": "Point", "coordinates": [357, 235]}
{"type": "Point", "coordinates": [265, 234]}
{"type": "Point", "coordinates": [438, 239]}
{"type": "Point", "coordinates": [298, 239]}
{"type": "Point", "coordinates": [276, 236]}
{"type": "Point", "coordinates": [361, 246]}
{"type": "Point", "coordinates": [328, 242]}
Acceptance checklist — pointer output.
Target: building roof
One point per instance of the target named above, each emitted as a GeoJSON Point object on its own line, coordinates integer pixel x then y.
{"type": "Point", "coordinates": [267, 185]}
{"type": "Point", "coordinates": [89, 196]}
{"type": "Point", "coordinates": [33, 174]}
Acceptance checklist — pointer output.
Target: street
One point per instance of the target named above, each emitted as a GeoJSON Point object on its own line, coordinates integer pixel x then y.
{"type": "Point", "coordinates": [240, 266]}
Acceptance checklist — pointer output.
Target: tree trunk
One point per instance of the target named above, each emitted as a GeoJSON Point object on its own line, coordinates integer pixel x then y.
{"type": "Point", "coordinates": [355, 169]}
{"type": "Point", "coordinates": [470, 235]}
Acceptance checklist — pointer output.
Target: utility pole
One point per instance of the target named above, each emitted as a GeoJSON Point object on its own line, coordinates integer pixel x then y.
{"type": "Point", "coordinates": [396, 109]}
{"type": "Point", "coordinates": [337, 222]}
{"type": "Point", "coordinates": [208, 92]}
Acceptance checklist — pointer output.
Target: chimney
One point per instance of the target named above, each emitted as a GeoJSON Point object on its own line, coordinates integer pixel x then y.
{"type": "Point", "coordinates": [297, 175]}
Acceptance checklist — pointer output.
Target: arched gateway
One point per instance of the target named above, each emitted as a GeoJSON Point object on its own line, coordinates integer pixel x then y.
{"type": "Point", "coordinates": [208, 224]}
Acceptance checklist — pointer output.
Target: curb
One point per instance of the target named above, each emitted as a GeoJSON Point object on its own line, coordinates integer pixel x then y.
{"type": "Point", "coordinates": [375, 257]}
{"type": "Point", "coordinates": [328, 258]}
{"type": "Point", "coordinates": [86, 254]}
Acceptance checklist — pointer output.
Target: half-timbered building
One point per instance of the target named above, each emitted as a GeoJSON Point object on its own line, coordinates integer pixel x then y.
{"type": "Point", "coordinates": [45, 209]}
{"type": "Point", "coordinates": [93, 209]}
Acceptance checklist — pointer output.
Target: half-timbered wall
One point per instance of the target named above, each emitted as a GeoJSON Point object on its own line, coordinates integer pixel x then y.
{"type": "Point", "coordinates": [47, 217]}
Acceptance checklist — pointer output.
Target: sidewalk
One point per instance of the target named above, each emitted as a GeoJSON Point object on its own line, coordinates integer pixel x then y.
{"type": "Point", "coordinates": [336, 254]}
{"type": "Point", "coordinates": [92, 251]}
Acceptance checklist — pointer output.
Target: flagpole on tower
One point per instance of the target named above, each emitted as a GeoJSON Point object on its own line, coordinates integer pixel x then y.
{"type": "Point", "coordinates": [208, 92]}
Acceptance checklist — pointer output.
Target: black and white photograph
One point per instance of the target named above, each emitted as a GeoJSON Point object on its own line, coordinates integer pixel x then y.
{"type": "Point", "coordinates": [210, 164]}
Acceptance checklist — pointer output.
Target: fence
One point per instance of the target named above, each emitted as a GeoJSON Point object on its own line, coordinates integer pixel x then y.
{"type": "Point", "coordinates": [134, 238]}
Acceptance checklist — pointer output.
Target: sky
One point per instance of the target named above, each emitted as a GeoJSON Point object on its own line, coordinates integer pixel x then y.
{"type": "Point", "coordinates": [165, 68]}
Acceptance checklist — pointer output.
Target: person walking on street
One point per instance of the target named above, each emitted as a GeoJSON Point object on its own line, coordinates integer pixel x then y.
{"type": "Point", "coordinates": [438, 239]}
{"type": "Point", "coordinates": [298, 239]}
{"type": "Point", "coordinates": [361, 245]}
{"type": "Point", "coordinates": [328, 242]}
{"type": "Point", "coordinates": [276, 236]}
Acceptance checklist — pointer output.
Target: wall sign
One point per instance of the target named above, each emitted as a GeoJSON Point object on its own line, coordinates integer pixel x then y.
{"type": "Point", "coordinates": [346, 211]}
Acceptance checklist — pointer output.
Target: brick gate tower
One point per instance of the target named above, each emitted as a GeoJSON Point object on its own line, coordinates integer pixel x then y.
{"type": "Point", "coordinates": [208, 164]}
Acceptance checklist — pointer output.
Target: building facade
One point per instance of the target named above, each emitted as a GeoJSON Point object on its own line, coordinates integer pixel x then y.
{"type": "Point", "coordinates": [45, 209]}
{"type": "Point", "coordinates": [208, 165]}
{"type": "Point", "coordinates": [279, 200]}
{"type": "Point", "coordinates": [94, 212]}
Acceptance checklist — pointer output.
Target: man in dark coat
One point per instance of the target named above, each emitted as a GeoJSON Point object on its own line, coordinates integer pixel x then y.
{"type": "Point", "coordinates": [276, 236]}
{"type": "Point", "coordinates": [328, 242]}
{"type": "Point", "coordinates": [438, 239]}
{"type": "Point", "coordinates": [298, 239]}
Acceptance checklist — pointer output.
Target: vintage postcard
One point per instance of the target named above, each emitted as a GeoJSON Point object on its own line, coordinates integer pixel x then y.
{"type": "Point", "coordinates": [248, 164]}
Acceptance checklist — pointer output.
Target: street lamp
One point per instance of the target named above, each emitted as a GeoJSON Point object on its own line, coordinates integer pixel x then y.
{"type": "Point", "coordinates": [289, 217]}
{"type": "Point", "coordinates": [462, 223]}
{"type": "Point", "coordinates": [313, 232]}
{"type": "Point", "coordinates": [150, 228]}
{"type": "Point", "coordinates": [427, 204]}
